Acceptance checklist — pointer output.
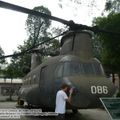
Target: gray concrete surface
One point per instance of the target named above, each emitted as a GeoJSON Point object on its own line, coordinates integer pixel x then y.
{"type": "Point", "coordinates": [4, 98]}
{"type": "Point", "coordinates": [84, 114]}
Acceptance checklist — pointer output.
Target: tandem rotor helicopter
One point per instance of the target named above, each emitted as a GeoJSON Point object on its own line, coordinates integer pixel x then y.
{"type": "Point", "coordinates": [75, 66]}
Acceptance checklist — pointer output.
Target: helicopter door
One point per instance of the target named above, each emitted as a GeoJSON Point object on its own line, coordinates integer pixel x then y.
{"type": "Point", "coordinates": [43, 76]}
{"type": "Point", "coordinates": [58, 76]}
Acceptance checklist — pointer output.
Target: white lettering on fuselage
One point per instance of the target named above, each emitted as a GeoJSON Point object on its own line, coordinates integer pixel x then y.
{"type": "Point", "coordinates": [99, 89]}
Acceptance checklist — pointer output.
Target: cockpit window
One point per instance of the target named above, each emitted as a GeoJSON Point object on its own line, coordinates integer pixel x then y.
{"type": "Point", "coordinates": [71, 68]}
{"type": "Point", "coordinates": [88, 68]}
{"type": "Point", "coordinates": [59, 71]}
{"type": "Point", "coordinates": [75, 68]}
{"type": "Point", "coordinates": [98, 69]}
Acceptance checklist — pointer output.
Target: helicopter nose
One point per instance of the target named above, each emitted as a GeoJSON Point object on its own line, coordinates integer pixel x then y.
{"type": "Point", "coordinates": [88, 91]}
{"type": "Point", "coordinates": [79, 97]}
{"type": "Point", "coordinates": [71, 85]}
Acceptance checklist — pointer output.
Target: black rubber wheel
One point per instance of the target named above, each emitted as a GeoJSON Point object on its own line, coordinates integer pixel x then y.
{"type": "Point", "coordinates": [75, 111]}
{"type": "Point", "coordinates": [29, 106]}
{"type": "Point", "coordinates": [21, 102]}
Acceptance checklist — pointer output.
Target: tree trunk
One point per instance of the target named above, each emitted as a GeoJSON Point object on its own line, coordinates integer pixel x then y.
{"type": "Point", "coordinates": [113, 78]}
{"type": "Point", "coordinates": [11, 90]}
{"type": "Point", "coordinates": [4, 79]}
{"type": "Point", "coordinates": [119, 81]}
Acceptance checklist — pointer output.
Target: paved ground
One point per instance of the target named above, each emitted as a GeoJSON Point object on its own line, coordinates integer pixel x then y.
{"type": "Point", "coordinates": [84, 114]}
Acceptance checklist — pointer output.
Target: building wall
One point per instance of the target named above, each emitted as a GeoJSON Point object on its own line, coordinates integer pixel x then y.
{"type": "Point", "coordinates": [8, 87]}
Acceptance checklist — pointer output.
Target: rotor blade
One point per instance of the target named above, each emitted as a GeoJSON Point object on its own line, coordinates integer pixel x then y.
{"type": "Point", "coordinates": [29, 11]}
{"type": "Point", "coordinates": [31, 48]}
{"type": "Point", "coordinates": [7, 56]}
{"type": "Point", "coordinates": [71, 24]}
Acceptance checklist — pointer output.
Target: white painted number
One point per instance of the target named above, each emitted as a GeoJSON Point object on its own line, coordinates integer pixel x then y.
{"type": "Point", "coordinates": [99, 89]}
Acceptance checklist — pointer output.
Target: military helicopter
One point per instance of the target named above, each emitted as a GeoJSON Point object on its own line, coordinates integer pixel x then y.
{"type": "Point", "coordinates": [75, 66]}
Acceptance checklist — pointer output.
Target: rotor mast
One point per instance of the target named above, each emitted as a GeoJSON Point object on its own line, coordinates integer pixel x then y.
{"type": "Point", "coordinates": [77, 43]}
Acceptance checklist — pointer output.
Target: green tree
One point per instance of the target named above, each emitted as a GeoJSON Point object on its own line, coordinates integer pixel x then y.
{"type": "Point", "coordinates": [2, 63]}
{"type": "Point", "coordinates": [37, 26]}
{"type": "Point", "coordinates": [97, 46]}
{"type": "Point", "coordinates": [37, 29]}
{"type": "Point", "coordinates": [112, 6]}
{"type": "Point", "coordinates": [110, 42]}
{"type": "Point", "coordinates": [1, 54]}
{"type": "Point", "coordinates": [37, 32]}
{"type": "Point", "coordinates": [14, 69]}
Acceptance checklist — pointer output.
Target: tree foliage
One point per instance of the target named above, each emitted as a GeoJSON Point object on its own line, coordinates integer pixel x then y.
{"type": "Point", "coordinates": [112, 6]}
{"type": "Point", "coordinates": [38, 32]}
{"type": "Point", "coordinates": [97, 46]}
{"type": "Point", "coordinates": [36, 26]}
{"type": "Point", "coordinates": [2, 62]}
{"type": "Point", "coordinates": [110, 42]}
{"type": "Point", "coordinates": [1, 54]}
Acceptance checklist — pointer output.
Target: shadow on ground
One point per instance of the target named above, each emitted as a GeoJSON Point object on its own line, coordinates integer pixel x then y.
{"type": "Point", "coordinates": [69, 116]}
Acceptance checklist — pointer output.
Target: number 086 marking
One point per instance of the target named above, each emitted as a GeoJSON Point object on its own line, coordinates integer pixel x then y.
{"type": "Point", "coordinates": [99, 89]}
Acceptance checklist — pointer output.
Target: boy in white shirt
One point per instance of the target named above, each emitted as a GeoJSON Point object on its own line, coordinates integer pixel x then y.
{"type": "Point", "coordinates": [61, 99]}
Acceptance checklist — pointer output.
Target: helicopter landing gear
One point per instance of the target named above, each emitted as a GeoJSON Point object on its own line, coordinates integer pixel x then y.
{"type": "Point", "coordinates": [75, 111]}
{"type": "Point", "coordinates": [29, 105]}
{"type": "Point", "coordinates": [20, 102]}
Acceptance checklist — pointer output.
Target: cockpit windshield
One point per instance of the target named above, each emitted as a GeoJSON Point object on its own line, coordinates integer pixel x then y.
{"type": "Point", "coordinates": [75, 68]}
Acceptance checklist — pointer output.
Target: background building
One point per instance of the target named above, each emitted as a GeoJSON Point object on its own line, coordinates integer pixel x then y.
{"type": "Point", "coordinates": [9, 87]}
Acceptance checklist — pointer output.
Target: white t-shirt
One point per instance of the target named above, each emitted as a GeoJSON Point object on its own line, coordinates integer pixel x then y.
{"type": "Point", "coordinates": [61, 102]}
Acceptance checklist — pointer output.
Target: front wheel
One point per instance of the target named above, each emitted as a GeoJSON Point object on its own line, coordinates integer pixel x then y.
{"type": "Point", "coordinates": [20, 102]}
{"type": "Point", "coordinates": [75, 111]}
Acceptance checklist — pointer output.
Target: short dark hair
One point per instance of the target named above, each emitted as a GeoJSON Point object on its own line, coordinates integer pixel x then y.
{"type": "Point", "coordinates": [64, 85]}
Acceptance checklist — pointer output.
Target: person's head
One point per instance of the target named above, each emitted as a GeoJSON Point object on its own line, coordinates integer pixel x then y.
{"type": "Point", "coordinates": [65, 87]}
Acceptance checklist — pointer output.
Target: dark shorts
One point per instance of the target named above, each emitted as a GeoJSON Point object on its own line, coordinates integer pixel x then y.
{"type": "Point", "coordinates": [60, 117]}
